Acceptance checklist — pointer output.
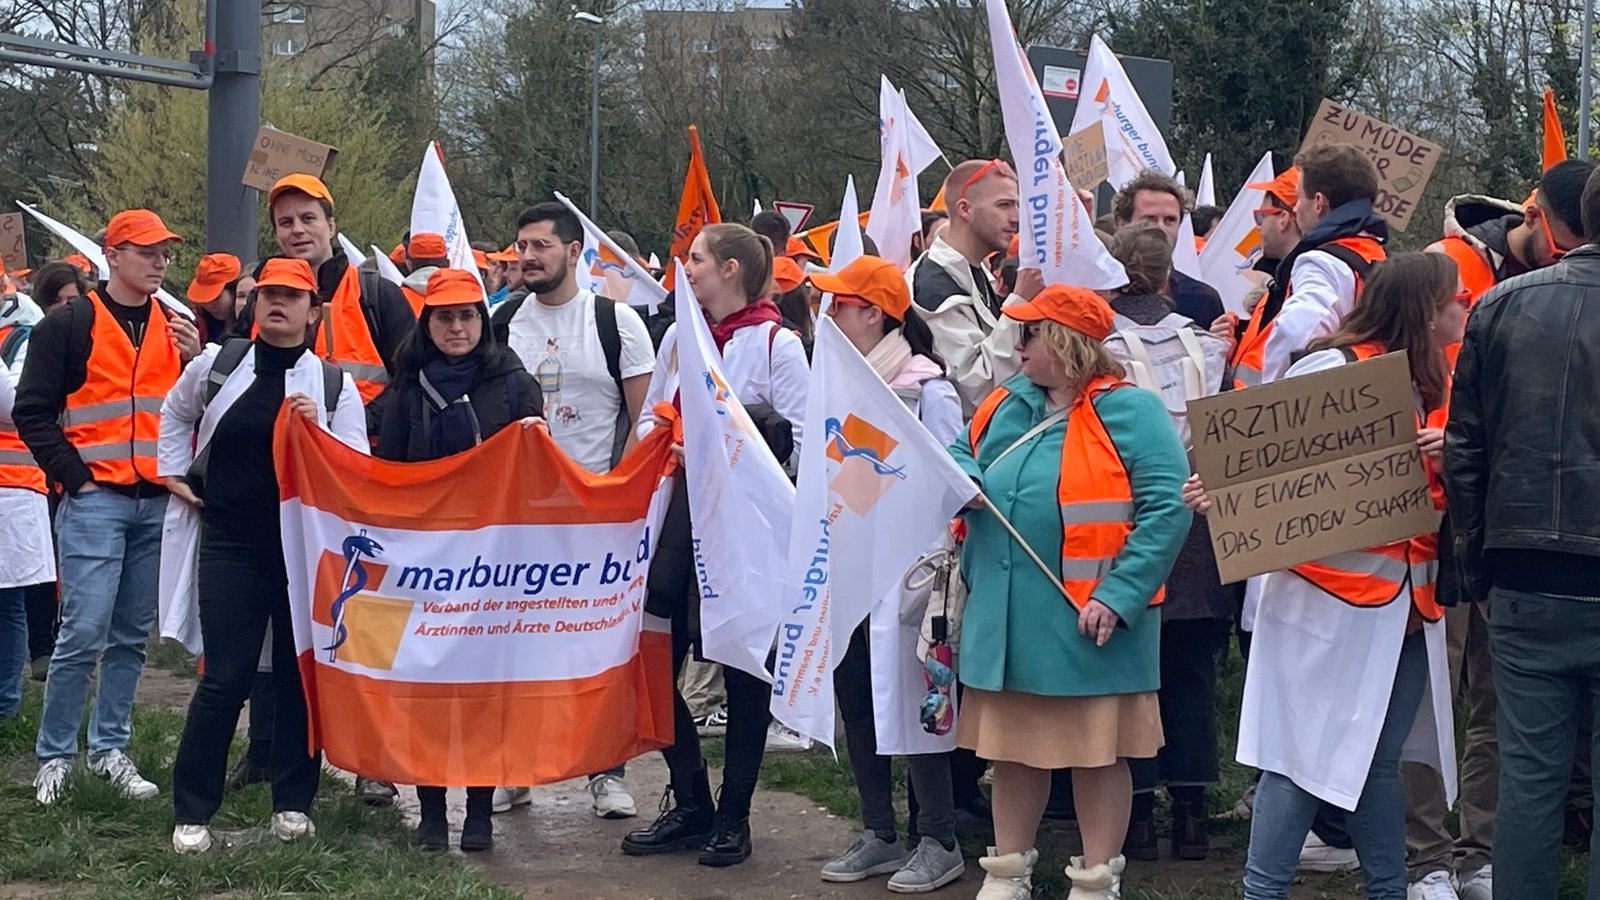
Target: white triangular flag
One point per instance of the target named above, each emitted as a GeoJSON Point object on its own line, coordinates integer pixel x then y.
{"type": "Point", "coordinates": [896, 213]}
{"type": "Point", "coordinates": [434, 210]}
{"type": "Point", "coordinates": [1133, 143]}
{"type": "Point", "coordinates": [1056, 233]}
{"type": "Point", "coordinates": [847, 243]}
{"type": "Point", "coordinates": [740, 501]}
{"type": "Point", "coordinates": [921, 148]}
{"type": "Point", "coordinates": [351, 251]}
{"type": "Point", "coordinates": [608, 271]}
{"type": "Point", "coordinates": [875, 490]}
{"type": "Point", "coordinates": [1185, 258]}
{"type": "Point", "coordinates": [1205, 193]}
{"type": "Point", "coordinates": [387, 270]}
{"type": "Point", "coordinates": [1235, 244]}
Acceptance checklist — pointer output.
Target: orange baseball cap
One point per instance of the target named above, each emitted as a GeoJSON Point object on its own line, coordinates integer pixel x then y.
{"type": "Point", "coordinates": [452, 287]}
{"type": "Point", "coordinates": [873, 279]}
{"type": "Point", "coordinates": [427, 245]}
{"type": "Point", "coordinates": [480, 259]}
{"type": "Point", "coordinates": [139, 227]}
{"type": "Point", "coordinates": [1077, 308]}
{"type": "Point", "coordinates": [80, 261]}
{"type": "Point", "coordinates": [796, 247]}
{"type": "Point", "coordinates": [509, 254]}
{"type": "Point", "coordinates": [310, 185]}
{"type": "Point", "coordinates": [212, 275]}
{"type": "Point", "coordinates": [398, 254]}
{"type": "Point", "coordinates": [787, 274]}
{"type": "Point", "coordinates": [283, 272]}
{"type": "Point", "coordinates": [1286, 187]}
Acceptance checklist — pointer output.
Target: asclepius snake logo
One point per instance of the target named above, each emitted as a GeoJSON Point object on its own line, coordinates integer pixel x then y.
{"type": "Point", "coordinates": [352, 583]}
{"type": "Point", "coordinates": [840, 448]}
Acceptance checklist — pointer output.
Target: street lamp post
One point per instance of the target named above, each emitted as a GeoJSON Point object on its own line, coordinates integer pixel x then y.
{"type": "Point", "coordinates": [594, 116]}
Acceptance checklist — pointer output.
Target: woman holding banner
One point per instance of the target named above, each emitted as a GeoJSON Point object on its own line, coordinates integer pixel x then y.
{"type": "Point", "coordinates": [872, 307]}
{"type": "Point", "coordinates": [1338, 671]}
{"type": "Point", "coordinates": [1060, 651]}
{"type": "Point", "coordinates": [730, 270]}
{"type": "Point", "coordinates": [231, 394]}
{"type": "Point", "coordinates": [455, 388]}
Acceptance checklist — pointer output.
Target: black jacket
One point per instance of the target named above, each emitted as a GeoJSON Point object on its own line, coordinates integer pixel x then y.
{"type": "Point", "coordinates": [1522, 447]}
{"type": "Point", "coordinates": [503, 393]}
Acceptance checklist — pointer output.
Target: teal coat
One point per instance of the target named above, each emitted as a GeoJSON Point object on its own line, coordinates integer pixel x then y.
{"type": "Point", "coordinates": [1018, 633]}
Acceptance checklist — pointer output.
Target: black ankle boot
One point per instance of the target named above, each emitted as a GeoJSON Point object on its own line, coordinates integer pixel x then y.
{"type": "Point", "coordinates": [1141, 842]}
{"type": "Point", "coordinates": [477, 832]}
{"type": "Point", "coordinates": [686, 821]}
{"type": "Point", "coordinates": [433, 830]}
{"type": "Point", "coordinates": [1189, 840]}
{"type": "Point", "coordinates": [730, 842]}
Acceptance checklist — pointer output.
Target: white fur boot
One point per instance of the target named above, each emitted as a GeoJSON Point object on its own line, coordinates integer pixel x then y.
{"type": "Point", "coordinates": [1008, 877]}
{"type": "Point", "coordinates": [1103, 882]}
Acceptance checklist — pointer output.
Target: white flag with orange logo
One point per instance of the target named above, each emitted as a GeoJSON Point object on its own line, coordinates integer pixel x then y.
{"type": "Point", "coordinates": [875, 491]}
{"type": "Point", "coordinates": [454, 628]}
{"type": "Point", "coordinates": [1056, 234]}
{"type": "Point", "coordinates": [609, 272]}
{"type": "Point", "coordinates": [740, 502]}
{"type": "Point", "coordinates": [434, 210]}
{"type": "Point", "coordinates": [1234, 246]}
{"type": "Point", "coordinates": [1133, 143]}
{"type": "Point", "coordinates": [896, 212]}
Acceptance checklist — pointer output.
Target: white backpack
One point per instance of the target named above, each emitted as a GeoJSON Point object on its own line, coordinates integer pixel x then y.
{"type": "Point", "coordinates": [1171, 359]}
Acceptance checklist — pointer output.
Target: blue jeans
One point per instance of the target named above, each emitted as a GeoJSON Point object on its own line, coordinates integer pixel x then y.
{"type": "Point", "coordinates": [1546, 660]}
{"type": "Point", "coordinates": [13, 648]}
{"type": "Point", "coordinates": [1283, 811]}
{"type": "Point", "coordinates": [110, 552]}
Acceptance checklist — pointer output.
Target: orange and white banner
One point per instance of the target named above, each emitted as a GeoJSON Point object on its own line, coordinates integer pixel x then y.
{"type": "Point", "coordinates": [1228, 261]}
{"type": "Point", "coordinates": [477, 619]}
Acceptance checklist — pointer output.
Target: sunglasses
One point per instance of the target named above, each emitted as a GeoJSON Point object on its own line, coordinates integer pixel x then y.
{"type": "Point", "coordinates": [1029, 332]}
{"type": "Point", "coordinates": [1265, 211]}
{"type": "Point", "coordinates": [993, 165]}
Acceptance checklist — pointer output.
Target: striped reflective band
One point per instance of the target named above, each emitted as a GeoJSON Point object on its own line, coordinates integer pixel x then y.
{"type": "Point", "coordinates": [364, 371]}
{"type": "Point", "coordinates": [1084, 569]}
{"type": "Point", "coordinates": [1093, 511]}
{"type": "Point", "coordinates": [1361, 562]}
{"type": "Point", "coordinates": [17, 458]}
{"type": "Point", "coordinates": [109, 410]}
{"type": "Point", "coordinates": [1247, 376]}
{"type": "Point", "coordinates": [116, 450]}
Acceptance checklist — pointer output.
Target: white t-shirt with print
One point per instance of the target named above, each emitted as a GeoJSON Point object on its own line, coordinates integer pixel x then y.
{"type": "Point", "coordinates": [560, 347]}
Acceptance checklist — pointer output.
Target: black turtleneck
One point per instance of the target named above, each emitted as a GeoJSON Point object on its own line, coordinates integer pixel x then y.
{"type": "Point", "coordinates": [241, 486]}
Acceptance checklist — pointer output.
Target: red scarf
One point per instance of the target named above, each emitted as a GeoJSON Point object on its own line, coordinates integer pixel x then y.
{"type": "Point", "coordinates": [763, 310]}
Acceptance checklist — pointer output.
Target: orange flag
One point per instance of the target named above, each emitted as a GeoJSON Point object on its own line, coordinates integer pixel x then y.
{"type": "Point", "coordinates": [938, 199]}
{"type": "Point", "coordinates": [822, 235]}
{"type": "Point", "coordinates": [1555, 142]}
{"type": "Point", "coordinates": [697, 207]}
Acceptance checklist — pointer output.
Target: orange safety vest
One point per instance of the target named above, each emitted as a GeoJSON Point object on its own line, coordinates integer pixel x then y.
{"type": "Point", "coordinates": [1093, 491]}
{"type": "Point", "coordinates": [1378, 575]}
{"type": "Point", "coordinates": [1476, 277]}
{"type": "Point", "coordinates": [1250, 353]}
{"type": "Point", "coordinates": [414, 298]}
{"type": "Point", "coordinates": [114, 419]}
{"type": "Point", "coordinates": [344, 339]}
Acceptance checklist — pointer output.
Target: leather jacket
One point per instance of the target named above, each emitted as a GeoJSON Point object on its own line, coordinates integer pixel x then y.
{"type": "Point", "coordinates": [1522, 446]}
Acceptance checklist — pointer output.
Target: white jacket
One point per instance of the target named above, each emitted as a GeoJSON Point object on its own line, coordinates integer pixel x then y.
{"type": "Point", "coordinates": [185, 408]}
{"type": "Point", "coordinates": [979, 348]}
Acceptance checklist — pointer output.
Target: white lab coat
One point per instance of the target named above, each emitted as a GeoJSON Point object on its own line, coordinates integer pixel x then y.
{"type": "Point", "coordinates": [184, 408]}
{"type": "Point", "coordinates": [1320, 675]}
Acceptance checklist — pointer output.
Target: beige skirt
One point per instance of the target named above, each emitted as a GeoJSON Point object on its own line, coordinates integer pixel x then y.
{"type": "Point", "coordinates": [1059, 732]}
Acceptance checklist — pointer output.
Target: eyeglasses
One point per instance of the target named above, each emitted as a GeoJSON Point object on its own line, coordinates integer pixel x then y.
{"type": "Point", "coordinates": [448, 317]}
{"type": "Point", "coordinates": [1265, 211]}
{"type": "Point", "coordinates": [1556, 250]}
{"type": "Point", "coordinates": [539, 246]}
{"type": "Point", "coordinates": [993, 165]}
{"type": "Point", "coordinates": [152, 255]}
{"type": "Point", "coordinates": [851, 300]}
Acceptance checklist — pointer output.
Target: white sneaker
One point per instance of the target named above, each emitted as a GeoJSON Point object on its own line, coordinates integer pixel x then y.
{"type": "Point", "coordinates": [187, 839]}
{"type": "Point", "coordinates": [1315, 856]}
{"type": "Point", "coordinates": [1102, 882]}
{"type": "Point", "coordinates": [292, 826]}
{"type": "Point", "coordinates": [611, 798]}
{"type": "Point", "coordinates": [1477, 886]}
{"type": "Point", "coordinates": [782, 740]}
{"type": "Point", "coordinates": [507, 797]}
{"type": "Point", "coordinates": [1008, 877]}
{"type": "Point", "coordinates": [1433, 886]}
{"type": "Point", "coordinates": [115, 767]}
{"type": "Point", "coordinates": [50, 781]}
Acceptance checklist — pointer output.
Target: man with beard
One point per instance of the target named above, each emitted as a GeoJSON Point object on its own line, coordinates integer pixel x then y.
{"type": "Point", "coordinates": [592, 357]}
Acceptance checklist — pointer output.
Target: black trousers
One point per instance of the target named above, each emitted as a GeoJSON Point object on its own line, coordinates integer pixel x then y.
{"type": "Point", "coordinates": [1190, 652]}
{"type": "Point", "coordinates": [243, 590]}
{"type": "Point", "coordinates": [44, 618]}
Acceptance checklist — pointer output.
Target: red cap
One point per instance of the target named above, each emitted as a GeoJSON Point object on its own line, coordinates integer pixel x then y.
{"type": "Point", "coordinates": [281, 271]}
{"type": "Point", "coordinates": [1077, 308]}
{"type": "Point", "coordinates": [873, 279]}
{"type": "Point", "coordinates": [427, 245]}
{"type": "Point", "coordinates": [452, 287]}
{"type": "Point", "coordinates": [1286, 187]}
{"type": "Point", "coordinates": [139, 227]}
{"type": "Point", "coordinates": [310, 185]}
{"type": "Point", "coordinates": [787, 274]}
{"type": "Point", "coordinates": [212, 275]}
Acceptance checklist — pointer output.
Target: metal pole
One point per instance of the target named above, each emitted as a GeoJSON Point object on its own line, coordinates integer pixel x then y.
{"type": "Point", "coordinates": [234, 114]}
{"type": "Point", "coordinates": [1585, 77]}
{"type": "Point", "coordinates": [594, 132]}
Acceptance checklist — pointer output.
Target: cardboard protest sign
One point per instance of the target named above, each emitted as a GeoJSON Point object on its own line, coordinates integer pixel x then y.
{"type": "Point", "coordinates": [279, 153]}
{"type": "Point", "coordinates": [1405, 161]}
{"type": "Point", "coordinates": [1083, 153]}
{"type": "Point", "coordinates": [1312, 465]}
{"type": "Point", "coordinates": [13, 243]}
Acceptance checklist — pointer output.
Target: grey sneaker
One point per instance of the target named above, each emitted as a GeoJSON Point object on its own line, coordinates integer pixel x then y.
{"type": "Point", "coordinates": [930, 867]}
{"type": "Point", "coordinates": [870, 855]}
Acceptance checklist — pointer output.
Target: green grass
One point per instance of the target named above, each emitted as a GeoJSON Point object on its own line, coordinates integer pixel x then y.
{"type": "Point", "coordinates": [95, 844]}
